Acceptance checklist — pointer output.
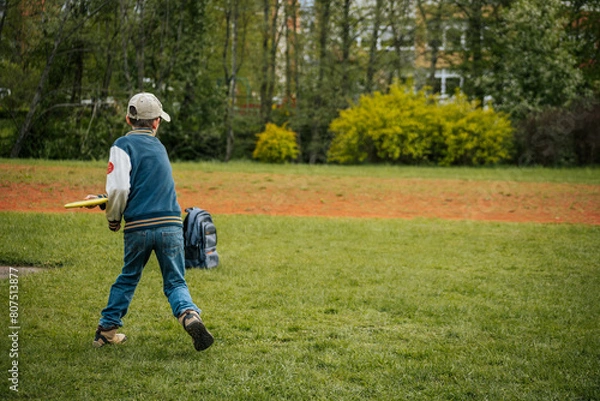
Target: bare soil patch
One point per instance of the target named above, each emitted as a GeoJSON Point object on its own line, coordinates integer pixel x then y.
{"type": "Point", "coordinates": [5, 271]}
{"type": "Point", "coordinates": [296, 195]}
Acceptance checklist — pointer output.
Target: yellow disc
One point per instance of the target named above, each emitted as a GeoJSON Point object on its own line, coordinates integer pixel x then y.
{"type": "Point", "coordinates": [86, 203]}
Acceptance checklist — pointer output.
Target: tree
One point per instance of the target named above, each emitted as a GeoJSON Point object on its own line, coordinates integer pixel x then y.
{"type": "Point", "coordinates": [271, 33]}
{"type": "Point", "coordinates": [375, 40]}
{"type": "Point", "coordinates": [347, 38]}
{"type": "Point", "coordinates": [433, 14]}
{"type": "Point", "coordinates": [534, 63]}
{"type": "Point", "coordinates": [232, 80]}
{"type": "Point", "coordinates": [478, 19]}
{"type": "Point", "coordinates": [237, 19]}
{"type": "Point", "coordinates": [291, 50]}
{"type": "Point", "coordinates": [583, 28]}
{"type": "Point", "coordinates": [319, 98]}
{"type": "Point", "coordinates": [402, 28]}
{"type": "Point", "coordinates": [473, 51]}
{"type": "Point", "coordinates": [67, 70]}
{"type": "Point", "coordinates": [4, 11]}
{"type": "Point", "coordinates": [198, 129]}
{"type": "Point", "coordinates": [63, 32]}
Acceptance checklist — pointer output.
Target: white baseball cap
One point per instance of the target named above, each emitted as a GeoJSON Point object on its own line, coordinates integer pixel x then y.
{"type": "Point", "coordinates": [145, 106]}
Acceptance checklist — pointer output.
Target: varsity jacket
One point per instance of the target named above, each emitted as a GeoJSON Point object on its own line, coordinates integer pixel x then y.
{"type": "Point", "coordinates": [139, 183]}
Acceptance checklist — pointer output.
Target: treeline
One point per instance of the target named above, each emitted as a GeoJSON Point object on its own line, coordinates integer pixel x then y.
{"type": "Point", "coordinates": [224, 69]}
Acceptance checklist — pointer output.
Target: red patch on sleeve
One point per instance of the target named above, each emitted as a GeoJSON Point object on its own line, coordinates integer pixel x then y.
{"type": "Point", "coordinates": [110, 169]}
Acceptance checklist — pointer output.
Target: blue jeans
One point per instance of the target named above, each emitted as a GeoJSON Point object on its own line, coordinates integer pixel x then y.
{"type": "Point", "coordinates": [167, 244]}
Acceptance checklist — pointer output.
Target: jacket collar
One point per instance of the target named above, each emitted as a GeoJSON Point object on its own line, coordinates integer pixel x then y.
{"type": "Point", "coordinates": [141, 131]}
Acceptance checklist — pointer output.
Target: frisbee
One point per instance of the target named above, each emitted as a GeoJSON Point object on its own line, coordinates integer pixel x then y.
{"type": "Point", "coordinates": [86, 203]}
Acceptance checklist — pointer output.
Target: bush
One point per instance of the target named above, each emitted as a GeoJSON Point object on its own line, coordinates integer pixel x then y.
{"type": "Point", "coordinates": [276, 145]}
{"type": "Point", "coordinates": [391, 127]}
{"type": "Point", "coordinates": [472, 135]}
{"type": "Point", "coordinates": [561, 136]}
{"type": "Point", "coordinates": [413, 127]}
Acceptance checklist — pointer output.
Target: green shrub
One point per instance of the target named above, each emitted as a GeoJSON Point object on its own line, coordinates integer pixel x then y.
{"type": "Point", "coordinates": [392, 127]}
{"type": "Point", "coordinates": [276, 145]}
{"type": "Point", "coordinates": [472, 135]}
{"type": "Point", "coordinates": [560, 136]}
{"type": "Point", "coordinates": [413, 127]}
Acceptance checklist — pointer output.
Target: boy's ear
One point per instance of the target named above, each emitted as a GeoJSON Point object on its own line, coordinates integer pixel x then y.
{"type": "Point", "coordinates": [128, 120]}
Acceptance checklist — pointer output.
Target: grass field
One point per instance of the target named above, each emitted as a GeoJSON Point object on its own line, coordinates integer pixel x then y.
{"type": "Point", "coordinates": [88, 173]}
{"type": "Point", "coordinates": [315, 309]}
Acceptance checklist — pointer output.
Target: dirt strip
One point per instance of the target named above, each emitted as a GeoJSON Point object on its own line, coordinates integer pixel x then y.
{"type": "Point", "coordinates": [293, 195]}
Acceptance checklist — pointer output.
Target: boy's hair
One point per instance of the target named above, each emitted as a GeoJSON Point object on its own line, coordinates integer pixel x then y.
{"type": "Point", "coordinates": [140, 123]}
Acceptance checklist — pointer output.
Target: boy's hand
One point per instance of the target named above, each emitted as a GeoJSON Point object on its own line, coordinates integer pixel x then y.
{"type": "Point", "coordinates": [102, 206]}
{"type": "Point", "coordinates": [91, 197]}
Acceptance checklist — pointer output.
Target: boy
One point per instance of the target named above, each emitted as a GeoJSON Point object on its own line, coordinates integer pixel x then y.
{"type": "Point", "coordinates": [141, 190]}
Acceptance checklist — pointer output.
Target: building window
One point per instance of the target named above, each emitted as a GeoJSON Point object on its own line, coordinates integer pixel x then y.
{"type": "Point", "coordinates": [454, 38]}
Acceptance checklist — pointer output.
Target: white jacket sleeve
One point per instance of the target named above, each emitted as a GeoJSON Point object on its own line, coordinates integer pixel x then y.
{"type": "Point", "coordinates": [117, 183]}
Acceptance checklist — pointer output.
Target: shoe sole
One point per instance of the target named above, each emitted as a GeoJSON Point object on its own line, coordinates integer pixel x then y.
{"type": "Point", "coordinates": [201, 336]}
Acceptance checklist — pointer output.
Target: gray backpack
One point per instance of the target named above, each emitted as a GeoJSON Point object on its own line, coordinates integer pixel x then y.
{"type": "Point", "coordinates": [200, 239]}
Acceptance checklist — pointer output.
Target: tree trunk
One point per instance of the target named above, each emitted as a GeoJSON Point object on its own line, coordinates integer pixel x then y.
{"type": "Point", "coordinates": [288, 58]}
{"type": "Point", "coordinates": [296, 50]}
{"type": "Point", "coordinates": [37, 97]}
{"type": "Point", "coordinates": [473, 57]}
{"type": "Point", "coordinates": [397, 41]}
{"type": "Point", "coordinates": [371, 67]}
{"type": "Point", "coordinates": [433, 21]}
{"type": "Point", "coordinates": [346, 43]}
{"type": "Point", "coordinates": [269, 55]}
{"type": "Point", "coordinates": [109, 48]}
{"type": "Point", "coordinates": [475, 45]}
{"type": "Point", "coordinates": [109, 69]}
{"type": "Point", "coordinates": [77, 58]}
{"type": "Point", "coordinates": [4, 11]}
{"type": "Point", "coordinates": [296, 72]}
{"type": "Point", "coordinates": [139, 49]}
{"type": "Point", "coordinates": [124, 39]}
{"type": "Point", "coordinates": [164, 71]}
{"type": "Point", "coordinates": [323, 24]}
{"type": "Point", "coordinates": [232, 84]}
{"type": "Point", "coordinates": [275, 34]}
{"type": "Point", "coordinates": [265, 104]}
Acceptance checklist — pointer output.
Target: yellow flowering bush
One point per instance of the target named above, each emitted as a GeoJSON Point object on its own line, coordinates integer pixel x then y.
{"type": "Point", "coordinates": [408, 126]}
{"type": "Point", "coordinates": [276, 145]}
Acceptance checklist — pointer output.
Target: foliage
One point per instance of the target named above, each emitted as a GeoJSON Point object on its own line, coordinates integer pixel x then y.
{"type": "Point", "coordinates": [472, 135]}
{"type": "Point", "coordinates": [560, 136]}
{"type": "Point", "coordinates": [414, 127]}
{"type": "Point", "coordinates": [105, 53]}
{"type": "Point", "coordinates": [583, 29]}
{"type": "Point", "coordinates": [195, 131]}
{"type": "Point", "coordinates": [534, 64]}
{"type": "Point", "coordinates": [526, 54]}
{"type": "Point", "coordinates": [383, 127]}
{"type": "Point", "coordinates": [276, 145]}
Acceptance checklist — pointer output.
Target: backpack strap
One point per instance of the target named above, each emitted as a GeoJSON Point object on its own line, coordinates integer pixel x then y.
{"type": "Point", "coordinates": [191, 228]}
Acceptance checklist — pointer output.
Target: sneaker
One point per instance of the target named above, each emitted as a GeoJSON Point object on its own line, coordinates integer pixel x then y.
{"type": "Point", "coordinates": [191, 322]}
{"type": "Point", "coordinates": [111, 336]}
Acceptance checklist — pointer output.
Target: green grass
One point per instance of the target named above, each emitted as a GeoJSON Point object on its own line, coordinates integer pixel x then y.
{"type": "Point", "coordinates": [316, 309]}
{"type": "Point", "coordinates": [89, 173]}
{"type": "Point", "coordinates": [584, 175]}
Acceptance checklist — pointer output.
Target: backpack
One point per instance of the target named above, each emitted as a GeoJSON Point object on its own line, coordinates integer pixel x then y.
{"type": "Point", "coordinates": [200, 239]}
